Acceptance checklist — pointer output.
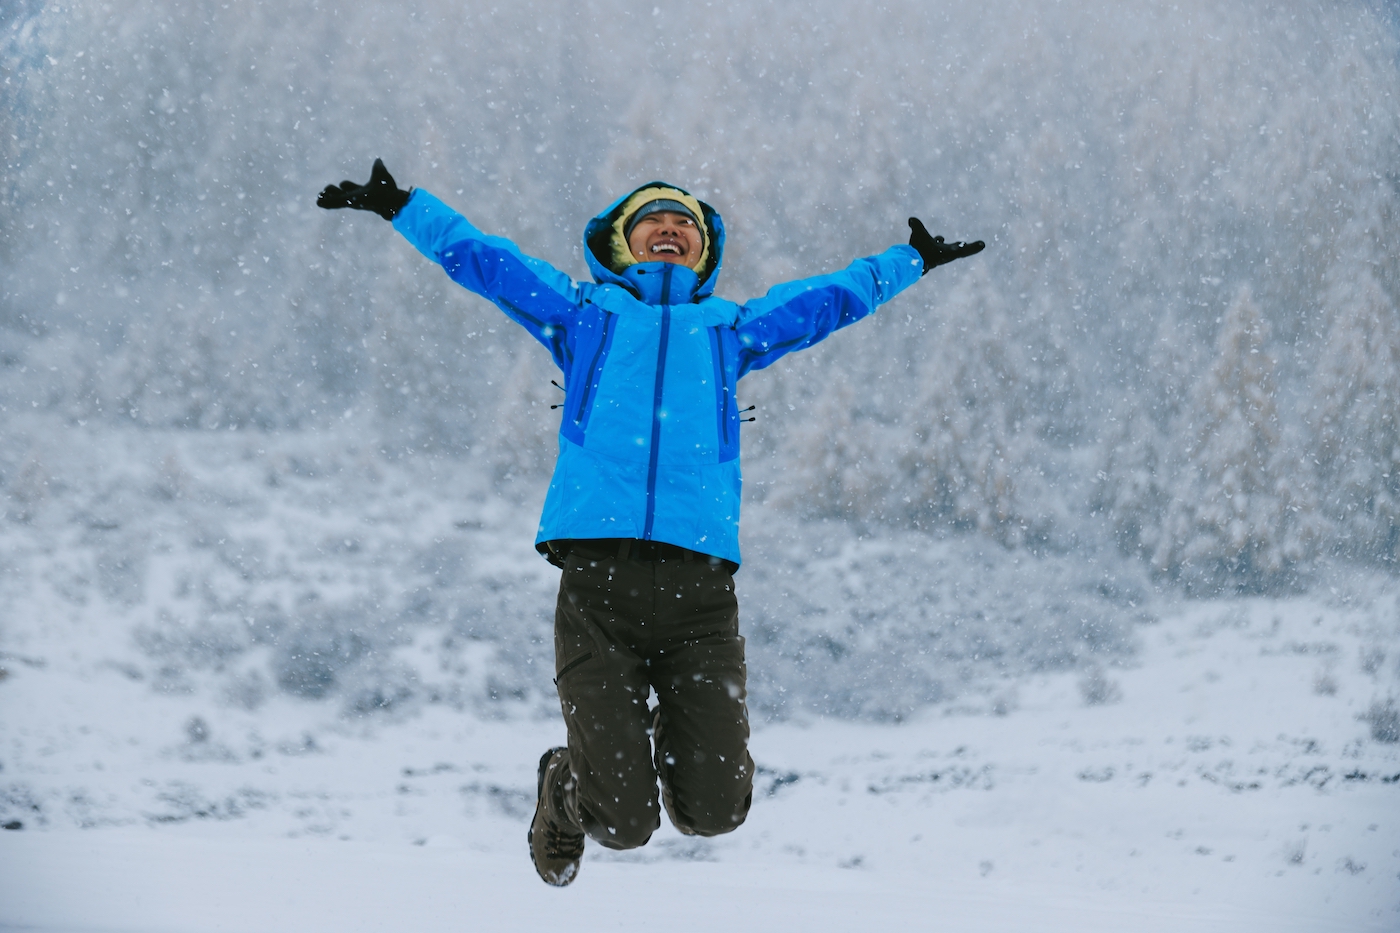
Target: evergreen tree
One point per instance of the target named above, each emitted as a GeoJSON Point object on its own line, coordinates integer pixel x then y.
{"type": "Point", "coordinates": [1140, 454]}
{"type": "Point", "coordinates": [1131, 489]}
{"type": "Point", "coordinates": [970, 456]}
{"type": "Point", "coordinates": [1358, 431]}
{"type": "Point", "coordinates": [1233, 520]}
{"type": "Point", "coordinates": [832, 452]}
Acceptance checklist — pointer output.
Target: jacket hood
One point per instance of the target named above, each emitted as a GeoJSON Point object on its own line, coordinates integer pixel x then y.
{"type": "Point", "coordinates": [638, 277]}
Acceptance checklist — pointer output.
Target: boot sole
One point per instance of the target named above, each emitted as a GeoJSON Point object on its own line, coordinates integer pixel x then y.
{"type": "Point", "coordinates": [539, 797]}
{"type": "Point", "coordinates": [539, 802]}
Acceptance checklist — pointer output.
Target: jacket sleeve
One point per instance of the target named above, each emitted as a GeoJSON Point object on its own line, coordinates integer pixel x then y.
{"type": "Point", "coordinates": [530, 291]}
{"type": "Point", "coordinates": [795, 315]}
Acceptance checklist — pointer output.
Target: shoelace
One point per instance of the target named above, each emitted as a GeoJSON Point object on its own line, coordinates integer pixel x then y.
{"type": "Point", "coordinates": [559, 844]}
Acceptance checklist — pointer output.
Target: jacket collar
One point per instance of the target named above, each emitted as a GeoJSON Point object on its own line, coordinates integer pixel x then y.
{"type": "Point", "coordinates": [661, 283]}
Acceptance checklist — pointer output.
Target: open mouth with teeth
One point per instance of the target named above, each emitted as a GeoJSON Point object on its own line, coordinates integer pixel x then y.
{"type": "Point", "coordinates": [666, 236]}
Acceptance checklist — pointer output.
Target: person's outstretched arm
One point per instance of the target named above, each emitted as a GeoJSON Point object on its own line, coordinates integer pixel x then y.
{"type": "Point", "coordinates": [796, 315]}
{"type": "Point", "coordinates": [530, 291]}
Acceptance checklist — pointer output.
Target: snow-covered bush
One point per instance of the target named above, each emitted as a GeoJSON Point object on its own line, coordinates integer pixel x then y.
{"type": "Point", "coordinates": [1097, 689]}
{"type": "Point", "coordinates": [1384, 720]}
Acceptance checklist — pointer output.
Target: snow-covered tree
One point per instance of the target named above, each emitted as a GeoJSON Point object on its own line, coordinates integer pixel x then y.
{"type": "Point", "coordinates": [836, 453]}
{"type": "Point", "coordinates": [1358, 421]}
{"type": "Point", "coordinates": [972, 423]}
{"type": "Point", "coordinates": [1236, 516]}
{"type": "Point", "coordinates": [1132, 489]}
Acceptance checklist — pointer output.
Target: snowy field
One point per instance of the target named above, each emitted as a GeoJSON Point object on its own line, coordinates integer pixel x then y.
{"type": "Point", "coordinates": [1221, 793]}
{"type": "Point", "coordinates": [191, 738]}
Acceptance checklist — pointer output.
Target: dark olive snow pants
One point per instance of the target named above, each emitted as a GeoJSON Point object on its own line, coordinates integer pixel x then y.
{"type": "Point", "coordinates": [623, 628]}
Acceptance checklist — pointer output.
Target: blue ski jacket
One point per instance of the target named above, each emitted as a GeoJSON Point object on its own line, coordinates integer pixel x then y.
{"type": "Point", "coordinates": [649, 441]}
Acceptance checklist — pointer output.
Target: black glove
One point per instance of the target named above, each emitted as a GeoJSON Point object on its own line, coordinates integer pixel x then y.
{"type": "Point", "coordinates": [381, 195]}
{"type": "Point", "coordinates": [934, 251]}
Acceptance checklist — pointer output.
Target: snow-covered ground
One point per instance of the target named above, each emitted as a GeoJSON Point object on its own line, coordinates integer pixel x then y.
{"type": "Point", "coordinates": [1176, 766]}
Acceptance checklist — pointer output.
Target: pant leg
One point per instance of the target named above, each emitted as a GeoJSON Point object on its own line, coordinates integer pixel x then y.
{"type": "Point", "coordinates": [600, 621]}
{"type": "Point", "coordinates": [700, 678]}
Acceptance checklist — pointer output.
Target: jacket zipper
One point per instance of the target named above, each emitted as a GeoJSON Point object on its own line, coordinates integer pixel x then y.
{"type": "Point", "coordinates": [656, 401]}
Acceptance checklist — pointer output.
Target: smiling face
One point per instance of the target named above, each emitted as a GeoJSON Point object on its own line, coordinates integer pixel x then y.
{"type": "Point", "coordinates": [666, 236]}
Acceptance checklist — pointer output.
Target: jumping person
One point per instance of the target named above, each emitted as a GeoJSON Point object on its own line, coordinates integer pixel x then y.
{"type": "Point", "coordinates": [642, 512]}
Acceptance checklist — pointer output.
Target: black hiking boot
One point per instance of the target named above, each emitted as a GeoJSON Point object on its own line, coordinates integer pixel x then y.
{"type": "Point", "coordinates": [554, 848]}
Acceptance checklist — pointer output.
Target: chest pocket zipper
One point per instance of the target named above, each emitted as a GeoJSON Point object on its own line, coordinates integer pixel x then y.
{"type": "Point", "coordinates": [590, 382]}
{"type": "Point", "coordinates": [721, 385]}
